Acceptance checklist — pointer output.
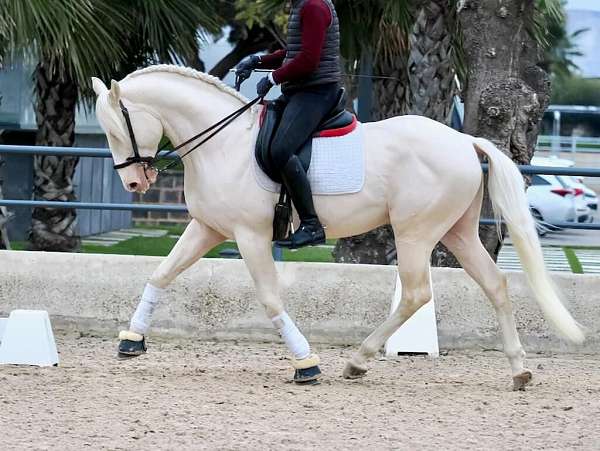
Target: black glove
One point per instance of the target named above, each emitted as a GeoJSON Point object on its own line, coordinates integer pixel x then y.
{"type": "Point", "coordinates": [263, 87]}
{"type": "Point", "coordinates": [245, 68]}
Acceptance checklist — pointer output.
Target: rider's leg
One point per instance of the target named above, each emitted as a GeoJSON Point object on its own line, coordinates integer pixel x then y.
{"type": "Point", "coordinates": [301, 116]}
{"type": "Point", "coordinates": [256, 251]}
{"type": "Point", "coordinates": [196, 240]}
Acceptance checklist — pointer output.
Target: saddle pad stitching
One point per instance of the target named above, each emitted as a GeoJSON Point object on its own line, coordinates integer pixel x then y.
{"type": "Point", "coordinates": [337, 166]}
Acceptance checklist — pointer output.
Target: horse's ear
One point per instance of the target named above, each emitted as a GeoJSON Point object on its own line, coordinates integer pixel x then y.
{"type": "Point", "coordinates": [99, 86]}
{"type": "Point", "coordinates": [115, 92]}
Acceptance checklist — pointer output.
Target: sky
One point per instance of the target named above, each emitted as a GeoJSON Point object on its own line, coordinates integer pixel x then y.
{"type": "Point", "coordinates": [585, 14]}
{"type": "Point", "coordinates": [584, 4]}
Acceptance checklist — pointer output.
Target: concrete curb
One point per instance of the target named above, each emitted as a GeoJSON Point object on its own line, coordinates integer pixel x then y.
{"type": "Point", "coordinates": [333, 303]}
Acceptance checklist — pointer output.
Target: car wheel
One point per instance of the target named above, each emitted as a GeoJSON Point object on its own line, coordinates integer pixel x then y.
{"type": "Point", "coordinates": [539, 222]}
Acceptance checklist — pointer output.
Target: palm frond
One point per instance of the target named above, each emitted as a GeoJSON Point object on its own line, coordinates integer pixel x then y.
{"type": "Point", "coordinates": [171, 28]}
{"type": "Point", "coordinates": [71, 35]}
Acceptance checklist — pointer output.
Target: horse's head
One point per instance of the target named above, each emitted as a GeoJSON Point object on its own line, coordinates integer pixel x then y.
{"type": "Point", "coordinates": [147, 129]}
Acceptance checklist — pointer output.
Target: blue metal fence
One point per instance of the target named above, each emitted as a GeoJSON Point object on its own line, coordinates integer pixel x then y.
{"type": "Point", "coordinates": [105, 153]}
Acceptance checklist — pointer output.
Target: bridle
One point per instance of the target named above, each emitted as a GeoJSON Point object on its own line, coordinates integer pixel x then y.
{"type": "Point", "coordinates": [136, 158]}
{"type": "Point", "coordinates": [150, 162]}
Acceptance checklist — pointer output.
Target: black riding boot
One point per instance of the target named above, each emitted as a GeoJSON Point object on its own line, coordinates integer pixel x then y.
{"type": "Point", "coordinates": [311, 231]}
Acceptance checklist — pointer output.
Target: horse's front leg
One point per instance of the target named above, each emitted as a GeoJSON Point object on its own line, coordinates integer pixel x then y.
{"type": "Point", "coordinates": [256, 251]}
{"type": "Point", "coordinates": [196, 240]}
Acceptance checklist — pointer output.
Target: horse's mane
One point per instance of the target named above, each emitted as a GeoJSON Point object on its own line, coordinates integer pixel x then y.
{"type": "Point", "coordinates": [110, 119]}
{"type": "Point", "coordinates": [190, 73]}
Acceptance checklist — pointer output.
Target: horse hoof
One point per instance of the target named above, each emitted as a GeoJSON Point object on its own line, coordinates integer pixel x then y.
{"type": "Point", "coordinates": [353, 371]}
{"type": "Point", "coordinates": [307, 376]}
{"type": "Point", "coordinates": [521, 380]}
{"type": "Point", "coordinates": [131, 345]}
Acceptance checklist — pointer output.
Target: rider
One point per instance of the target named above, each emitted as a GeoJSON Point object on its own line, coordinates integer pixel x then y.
{"type": "Point", "coordinates": [308, 71]}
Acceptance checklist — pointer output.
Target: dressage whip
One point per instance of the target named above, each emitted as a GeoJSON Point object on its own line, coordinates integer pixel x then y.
{"type": "Point", "coordinates": [373, 77]}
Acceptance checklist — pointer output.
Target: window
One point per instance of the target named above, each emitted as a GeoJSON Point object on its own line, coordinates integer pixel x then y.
{"type": "Point", "coordinates": [537, 180]}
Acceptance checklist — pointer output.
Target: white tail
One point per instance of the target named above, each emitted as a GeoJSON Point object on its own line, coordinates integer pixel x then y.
{"type": "Point", "coordinates": [507, 192]}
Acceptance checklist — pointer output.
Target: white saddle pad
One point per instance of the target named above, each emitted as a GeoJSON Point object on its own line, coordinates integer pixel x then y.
{"type": "Point", "coordinates": [337, 166]}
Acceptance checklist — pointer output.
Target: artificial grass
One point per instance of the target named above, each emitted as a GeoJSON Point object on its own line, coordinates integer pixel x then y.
{"type": "Point", "coordinates": [574, 262]}
{"type": "Point", "coordinates": [162, 246]}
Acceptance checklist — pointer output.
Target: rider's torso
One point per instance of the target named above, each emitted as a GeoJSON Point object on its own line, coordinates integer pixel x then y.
{"type": "Point", "coordinates": [328, 70]}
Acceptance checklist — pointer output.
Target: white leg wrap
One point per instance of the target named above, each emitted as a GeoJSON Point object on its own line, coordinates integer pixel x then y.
{"type": "Point", "coordinates": [140, 322]}
{"type": "Point", "coordinates": [293, 338]}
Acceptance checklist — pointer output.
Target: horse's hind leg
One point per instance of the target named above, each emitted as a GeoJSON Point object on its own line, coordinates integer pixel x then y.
{"type": "Point", "coordinates": [413, 268]}
{"type": "Point", "coordinates": [463, 241]}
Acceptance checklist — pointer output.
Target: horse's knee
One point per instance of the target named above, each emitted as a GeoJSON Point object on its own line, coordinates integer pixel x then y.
{"type": "Point", "coordinates": [413, 300]}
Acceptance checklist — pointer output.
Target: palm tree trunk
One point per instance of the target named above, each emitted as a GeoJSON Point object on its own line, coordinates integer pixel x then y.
{"type": "Point", "coordinates": [423, 85]}
{"type": "Point", "coordinates": [431, 75]}
{"type": "Point", "coordinates": [4, 216]}
{"type": "Point", "coordinates": [507, 91]}
{"type": "Point", "coordinates": [53, 229]}
{"type": "Point", "coordinates": [377, 246]}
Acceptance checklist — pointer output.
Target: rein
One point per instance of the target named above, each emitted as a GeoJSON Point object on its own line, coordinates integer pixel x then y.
{"type": "Point", "coordinates": [151, 161]}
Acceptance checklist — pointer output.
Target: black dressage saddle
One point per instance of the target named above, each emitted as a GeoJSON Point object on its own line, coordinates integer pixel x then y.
{"type": "Point", "coordinates": [338, 118]}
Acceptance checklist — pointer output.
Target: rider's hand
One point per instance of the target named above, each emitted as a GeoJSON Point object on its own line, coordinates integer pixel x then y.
{"type": "Point", "coordinates": [263, 87]}
{"type": "Point", "coordinates": [245, 68]}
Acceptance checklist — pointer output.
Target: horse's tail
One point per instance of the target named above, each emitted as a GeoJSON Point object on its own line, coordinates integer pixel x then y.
{"type": "Point", "coordinates": [507, 192]}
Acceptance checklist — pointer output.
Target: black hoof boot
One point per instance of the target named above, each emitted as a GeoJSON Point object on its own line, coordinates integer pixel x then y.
{"type": "Point", "coordinates": [131, 345]}
{"type": "Point", "coordinates": [307, 376]}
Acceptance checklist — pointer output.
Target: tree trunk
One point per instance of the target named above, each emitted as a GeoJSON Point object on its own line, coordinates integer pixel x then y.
{"type": "Point", "coordinates": [423, 85]}
{"type": "Point", "coordinates": [53, 229]}
{"type": "Point", "coordinates": [507, 91]}
{"type": "Point", "coordinates": [5, 215]}
{"type": "Point", "coordinates": [377, 246]}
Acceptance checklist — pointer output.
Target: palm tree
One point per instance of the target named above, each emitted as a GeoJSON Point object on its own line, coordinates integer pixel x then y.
{"type": "Point", "coordinates": [435, 54]}
{"type": "Point", "coordinates": [507, 88]}
{"type": "Point", "coordinates": [70, 41]}
{"type": "Point", "coordinates": [414, 46]}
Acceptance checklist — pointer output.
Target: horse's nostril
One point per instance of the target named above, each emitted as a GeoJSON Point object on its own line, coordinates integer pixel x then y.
{"type": "Point", "coordinates": [133, 185]}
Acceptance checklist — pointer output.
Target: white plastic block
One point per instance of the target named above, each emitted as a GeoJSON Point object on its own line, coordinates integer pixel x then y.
{"type": "Point", "coordinates": [418, 334]}
{"type": "Point", "coordinates": [28, 339]}
{"type": "Point", "coordinates": [3, 322]}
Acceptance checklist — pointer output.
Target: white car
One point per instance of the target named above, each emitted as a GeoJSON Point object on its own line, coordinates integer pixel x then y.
{"type": "Point", "coordinates": [551, 201]}
{"type": "Point", "coordinates": [586, 200]}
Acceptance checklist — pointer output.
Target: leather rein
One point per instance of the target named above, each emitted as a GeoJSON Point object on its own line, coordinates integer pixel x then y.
{"type": "Point", "coordinates": [150, 162]}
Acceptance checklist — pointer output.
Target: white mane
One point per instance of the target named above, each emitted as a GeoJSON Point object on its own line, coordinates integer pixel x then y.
{"type": "Point", "coordinates": [190, 73]}
{"type": "Point", "coordinates": [110, 118]}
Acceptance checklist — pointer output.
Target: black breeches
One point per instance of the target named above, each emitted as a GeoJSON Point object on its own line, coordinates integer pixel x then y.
{"type": "Point", "coordinates": [303, 111]}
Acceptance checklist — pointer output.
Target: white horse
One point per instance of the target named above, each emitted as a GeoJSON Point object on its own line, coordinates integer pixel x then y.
{"type": "Point", "coordinates": [422, 177]}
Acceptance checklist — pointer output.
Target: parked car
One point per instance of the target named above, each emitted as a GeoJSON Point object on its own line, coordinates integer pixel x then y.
{"type": "Point", "coordinates": [586, 200]}
{"type": "Point", "coordinates": [550, 201]}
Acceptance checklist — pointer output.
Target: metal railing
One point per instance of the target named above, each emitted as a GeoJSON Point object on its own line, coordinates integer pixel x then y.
{"type": "Point", "coordinates": [571, 144]}
{"type": "Point", "coordinates": [105, 153]}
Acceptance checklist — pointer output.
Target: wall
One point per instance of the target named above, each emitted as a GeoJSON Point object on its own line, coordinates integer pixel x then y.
{"type": "Point", "coordinates": [167, 190]}
{"type": "Point", "coordinates": [333, 303]}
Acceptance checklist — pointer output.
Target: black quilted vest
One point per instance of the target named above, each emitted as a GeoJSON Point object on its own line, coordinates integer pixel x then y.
{"type": "Point", "coordinates": [329, 67]}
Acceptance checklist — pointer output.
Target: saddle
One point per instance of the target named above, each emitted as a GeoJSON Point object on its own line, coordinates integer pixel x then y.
{"type": "Point", "coordinates": [338, 122]}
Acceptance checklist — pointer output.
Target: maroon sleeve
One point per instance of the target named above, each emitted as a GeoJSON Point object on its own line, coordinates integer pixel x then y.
{"type": "Point", "coordinates": [315, 18]}
{"type": "Point", "coordinates": [272, 60]}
